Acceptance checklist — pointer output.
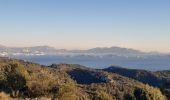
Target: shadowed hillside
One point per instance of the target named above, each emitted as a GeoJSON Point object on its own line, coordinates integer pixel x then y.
{"type": "Point", "coordinates": [159, 79]}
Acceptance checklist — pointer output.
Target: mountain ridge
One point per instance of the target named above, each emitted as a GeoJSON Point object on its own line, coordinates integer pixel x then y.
{"type": "Point", "coordinates": [111, 49]}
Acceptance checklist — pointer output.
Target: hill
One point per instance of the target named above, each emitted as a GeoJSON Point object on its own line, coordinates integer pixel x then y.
{"type": "Point", "coordinates": [160, 79]}
{"type": "Point", "coordinates": [19, 79]}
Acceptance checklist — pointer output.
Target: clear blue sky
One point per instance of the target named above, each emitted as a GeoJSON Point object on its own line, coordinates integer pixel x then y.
{"type": "Point", "coordinates": [139, 24]}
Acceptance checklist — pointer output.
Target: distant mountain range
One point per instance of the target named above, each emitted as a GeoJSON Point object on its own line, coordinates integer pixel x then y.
{"type": "Point", "coordinates": [47, 50]}
{"type": "Point", "coordinates": [37, 50]}
{"type": "Point", "coordinates": [95, 57]}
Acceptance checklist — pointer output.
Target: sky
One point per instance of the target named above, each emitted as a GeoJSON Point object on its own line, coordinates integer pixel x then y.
{"type": "Point", "coordinates": [83, 24]}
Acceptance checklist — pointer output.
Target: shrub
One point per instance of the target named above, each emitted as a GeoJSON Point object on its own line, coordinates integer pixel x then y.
{"type": "Point", "coordinates": [66, 92]}
{"type": "Point", "coordinates": [101, 95]}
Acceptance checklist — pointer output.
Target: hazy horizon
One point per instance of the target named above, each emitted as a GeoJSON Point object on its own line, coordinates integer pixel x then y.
{"type": "Point", "coordinates": [142, 25]}
{"type": "Point", "coordinates": [57, 48]}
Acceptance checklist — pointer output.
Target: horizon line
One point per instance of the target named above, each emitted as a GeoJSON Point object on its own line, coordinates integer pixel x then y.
{"type": "Point", "coordinates": [146, 51]}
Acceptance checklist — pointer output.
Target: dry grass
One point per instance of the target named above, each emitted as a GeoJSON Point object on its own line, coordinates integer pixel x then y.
{"type": "Point", "coordinates": [4, 96]}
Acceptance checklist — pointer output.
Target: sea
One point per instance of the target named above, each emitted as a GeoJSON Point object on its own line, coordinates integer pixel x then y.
{"type": "Point", "coordinates": [152, 63]}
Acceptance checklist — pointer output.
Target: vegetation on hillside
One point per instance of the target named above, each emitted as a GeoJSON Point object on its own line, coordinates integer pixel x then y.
{"type": "Point", "coordinates": [160, 79]}
{"type": "Point", "coordinates": [23, 80]}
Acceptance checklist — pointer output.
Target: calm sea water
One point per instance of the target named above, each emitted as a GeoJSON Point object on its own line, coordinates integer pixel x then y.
{"type": "Point", "coordinates": [152, 63]}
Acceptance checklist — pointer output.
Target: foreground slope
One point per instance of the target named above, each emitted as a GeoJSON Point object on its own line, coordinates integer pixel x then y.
{"type": "Point", "coordinates": [19, 79]}
{"type": "Point", "coordinates": [159, 79]}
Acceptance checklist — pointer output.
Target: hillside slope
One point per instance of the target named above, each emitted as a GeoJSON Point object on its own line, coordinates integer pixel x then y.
{"type": "Point", "coordinates": [160, 79]}
{"type": "Point", "coordinates": [24, 80]}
